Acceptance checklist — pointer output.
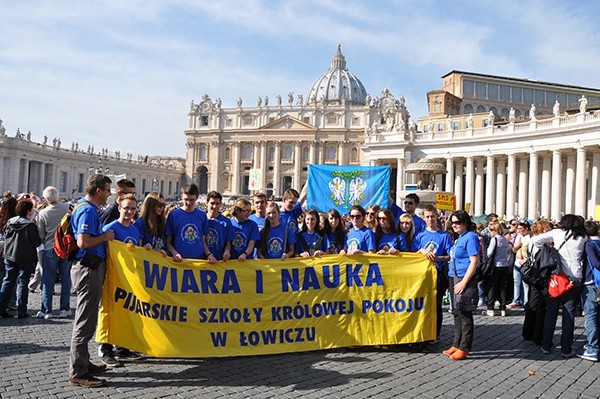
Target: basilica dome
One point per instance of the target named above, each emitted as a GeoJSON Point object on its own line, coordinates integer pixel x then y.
{"type": "Point", "coordinates": [337, 85]}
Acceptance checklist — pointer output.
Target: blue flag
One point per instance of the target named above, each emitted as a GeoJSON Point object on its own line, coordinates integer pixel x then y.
{"type": "Point", "coordinates": [341, 187]}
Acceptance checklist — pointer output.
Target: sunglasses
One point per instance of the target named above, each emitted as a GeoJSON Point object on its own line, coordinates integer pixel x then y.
{"type": "Point", "coordinates": [408, 203]}
{"type": "Point", "coordinates": [370, 213]}
{"type": "Point", "coordinates": [381, 218]}
{"type": "Point", "coordinates": [355, 216]}
{"type": "Point", "coordinates": [455, 222]}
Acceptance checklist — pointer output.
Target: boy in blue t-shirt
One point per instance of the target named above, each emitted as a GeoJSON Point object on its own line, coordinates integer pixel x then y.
{"type": "Point", "coordinates": [123, 227]}
{"type": "Point", "coordinates": [219, 231]}
{"type": "Point", "coordinates": [291, 210]}
{"type": "Point", "coordinates": [186, 229]}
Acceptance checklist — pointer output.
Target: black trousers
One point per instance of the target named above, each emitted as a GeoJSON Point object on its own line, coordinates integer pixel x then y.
{"type": "Point", "coordinates": [463, 324]}
{"type": "Point", "coordinates": [496, 286]}
{"type": "Point", "coordinates": [442, 286]}
{"type": "Point", "coordinates": [535, 313]}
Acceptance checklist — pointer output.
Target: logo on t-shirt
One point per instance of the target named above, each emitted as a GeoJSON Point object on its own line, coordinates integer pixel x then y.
{"type": "Point", "coordinates": [275, 245]}
{"type": "Point", "coordinates": [189, 233]}
{"type": "Point", "coordinates": [239, 241]}
{"type": "Point", "coordinates": [212, 237]}
{"type": "Point", "coordinates": [353, 244]}
{"type": "Point", "coordinates": [432, 246]}
{"type": "Point", "coordinates": [130, 240]}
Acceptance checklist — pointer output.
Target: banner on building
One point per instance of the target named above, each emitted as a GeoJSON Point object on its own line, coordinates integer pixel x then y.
{"type": "Point", "coordinates": [255, 176]}
{"type": "Point", "coordinates": [194, 309]}
{"type": "Point", "coordinates": [341, 187]}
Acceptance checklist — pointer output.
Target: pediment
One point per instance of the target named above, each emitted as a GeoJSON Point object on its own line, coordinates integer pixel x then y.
{"type": "Point", "coordinates": [287, 123]}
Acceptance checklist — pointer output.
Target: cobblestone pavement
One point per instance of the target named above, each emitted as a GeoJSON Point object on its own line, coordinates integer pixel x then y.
{"type": "Point", "coordinates": [34, 355]}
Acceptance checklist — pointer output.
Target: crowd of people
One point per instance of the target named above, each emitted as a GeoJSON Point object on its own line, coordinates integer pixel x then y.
{"type": "Point", "coordinates": [260, 229]}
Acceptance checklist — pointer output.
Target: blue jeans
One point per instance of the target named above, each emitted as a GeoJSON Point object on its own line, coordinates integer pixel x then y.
{"type": "Point", "coordinates": [520, 289]}
{"type": "Point", "coordinates": [590, 307]}
{"type": "Point", "coordinates": [569, 300]}
{"type": "Point", "coordinates": [15, 273]}
{"type": "Point", "coordinates": [50, 264]}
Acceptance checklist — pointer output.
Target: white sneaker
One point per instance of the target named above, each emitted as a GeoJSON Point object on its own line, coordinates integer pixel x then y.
{"type": "Point", "coordinates": [489, 312]}
{"type": "Point", "coordinates": [65, 313]}
{"type": "Point", "coordinates": [48, 316]}
{"type": "Point", "coordinates": [40, 315]}
{"type": "Point", "coordinates": [503, 313]}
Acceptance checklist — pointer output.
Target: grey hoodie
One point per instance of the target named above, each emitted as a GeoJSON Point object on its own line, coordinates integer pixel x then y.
{"type": "Point", "coordinates": [21, 241]}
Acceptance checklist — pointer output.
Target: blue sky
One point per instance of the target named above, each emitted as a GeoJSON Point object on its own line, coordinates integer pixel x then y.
{"type": "Point", "coordinates": [121, 74]}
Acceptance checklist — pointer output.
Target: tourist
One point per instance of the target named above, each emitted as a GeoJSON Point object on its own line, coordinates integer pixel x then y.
{"type": "Point", "coordinates": [359, 239]}
{"type": "Point", "coordinates": [111, 212]}
{"type": "Point", "coordinates": [310, 240]}
{"type": "Point", "coordinates": [500, 252]}
{"type": "Point", "coordinates": [260, 202]}
{"type": "Point", "coordinates": [219, 231]}
{"type": "Point", "coordinates": [411, 203]}
{"type": "Point", "coordinates": [520, 290]}
{"type": "Point", "coordinates": [152, 221]}
{"type": "Point", "coordinates": [335, 231]}
{"type": "Point", "coordinates": [246, 232]}
{"type": "Point", "coordinates": [406, 233]}
{"type": "Point", "coordinates": [277, 239]}
{"type": "Point", "coordinates": [386, 237]}
{"type": "Point", "coordinates": [590, 291]}
{"type": "Point", "coordinates": [371, 216]}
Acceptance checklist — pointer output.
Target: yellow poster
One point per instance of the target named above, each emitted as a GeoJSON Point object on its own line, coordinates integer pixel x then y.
{"type": "Point", "coordinates": [194, 309]}
{"type": "Point", "coordinates": [445, 202]}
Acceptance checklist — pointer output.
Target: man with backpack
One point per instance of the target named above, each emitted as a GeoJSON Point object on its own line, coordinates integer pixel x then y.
{"type": "Point", "coordinates": [87, 276]}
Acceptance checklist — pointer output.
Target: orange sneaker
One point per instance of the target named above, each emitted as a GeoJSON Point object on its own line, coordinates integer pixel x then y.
{"type": "Point", "coordinates": [450, 351]}
{"type": "Point", "coordinates": [459, 355]}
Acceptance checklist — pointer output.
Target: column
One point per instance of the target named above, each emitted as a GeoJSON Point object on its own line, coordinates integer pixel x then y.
{"type": "Point", "coordinates": [449, 175]}
{"type": "Point", "coordinates": [215, 164]}
{"type": "Point", "coordinates": [256, 151]}
{"type": "Point", "coordinates": [277, 169]}
{"type": "Point", "coordinates": [400, 165]}
{"type": "Point", "coordinates": [556, 187]}
{"type": "Point", "coordinates": [458, 185]}
{"type": "Point", "coordinates": [580, 188]}
{"type": "Point", "coordinates": [297, 165]}
{"type": "Point", "coordinates": [522, 187]}
{"type": "Point", "coordinates": [312, 153]}
{"type": "Point", "coordinates": [570, 185]}
{"type": "Point", "coordinates": [594, 184]}
{"type": "Point", "coordinates": [342, 153]}
{"type": "Point", "coordinates": [545, 187]}
{"type": "Point", "coordinates": [532, 209]}
{"type": "Point", "coordinates": [236, 160]}
{"type": "Point", "coordinates": [490, 185]}
{"type": "Point", "coordinates": [478, 187]}
{"type": "Point", "coordinates": [469, 185]}
{"type": "Point", "coordinates": [511, 171]}
{"type": "Point", "coordinates": [501, 188]}
{"type": "Point", "coordinates": [263, 165]}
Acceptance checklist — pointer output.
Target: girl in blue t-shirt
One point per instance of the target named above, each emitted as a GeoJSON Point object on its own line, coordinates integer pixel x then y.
{"type": "Point", "coordinates": [335, 231]}
{"type": "Point", "coordinates": [123, 227]}
{"type": "Point", "coordinates": [359, 239]}
{"type": "Point", "coordinates": [246, 231]}
{"type": "Point", "coordinates": [310, 241]}
{"type": "Point", "coordinates": [386, 237]}
{"type": "Point", "coordinates": [151, 222]}
{"type": "Point", "coordinates": [406, 232]}
{"type": "Point", "coordinates": [277, 241]}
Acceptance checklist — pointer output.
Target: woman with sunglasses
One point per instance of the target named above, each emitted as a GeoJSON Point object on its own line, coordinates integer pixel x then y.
{"type": "Point", "coordinates": [464, 260]}
{"type": "Point", "coordinates": [335, 231]}
{"type": "Point", "coordinates": [385, 233]}
{"type": "Point", "coordinates": [371, 216]}
{"type": "Point", "coordinates": [406, 233]}
{"type": "Point", "coordinates": [360, 238]}
{"type": "Point", "coordinates": [246, 232]}
{"type": "Point", "coordinates": [152, 221]}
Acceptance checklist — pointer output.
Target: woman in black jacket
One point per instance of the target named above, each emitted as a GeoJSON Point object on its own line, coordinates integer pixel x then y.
{"type": "Point", "coordinates": [20, 257]}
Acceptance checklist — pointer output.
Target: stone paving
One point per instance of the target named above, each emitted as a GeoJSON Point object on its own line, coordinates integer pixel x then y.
{"type": "Point", "coordinates": [34, 355]}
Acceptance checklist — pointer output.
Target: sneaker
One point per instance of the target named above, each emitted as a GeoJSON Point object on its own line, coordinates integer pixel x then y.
{"type": "Point", "coordinates": [96, 368]}
{"type": "Point", "coordinates": [568, 355]}
{"type": "Point", "coordinates": [48, 316]}
{"type": "Point", "coordinates": [503, 313]}
{"type": "Point", "coordinates": [546, 350]}
{"type": "Point", "coordinates": [587, 355]}
{"type": "Point", "coordinates": [127, 356]}
{"type": "Point", "coordinates": [110, 361]}
{"type": "Point", "coordinates": [88, 381]}
{"type": "Point", "coordinates": [481, 303]}
{"type": "Point", "coordinates": [40, 315]}
{"type": "Point", "coordinates": [65, 313]}
{"type": "Point", "coordinates": [513, 305]}
{"type": "Point", "coordinates": [489, 312]}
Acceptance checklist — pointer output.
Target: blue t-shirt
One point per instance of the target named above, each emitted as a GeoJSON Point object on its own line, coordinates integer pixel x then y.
{"type": "Point", "coordinates": [465, 246]}
{"type": "Point", "coordinates": [397, 211]}
{"type": "Point", "coordinates": [311, 241]}
{"type": "Point", "coordinates": [158, 243]}
{"type": "Point", "coordinates": [387, 241]}
{"type": "Point", "coordinates": [419, 223]}
{"type": "Point", "coordinates": [290, 218]}
{"type": "Point", "coordinates": [85, 220]}
{"type": "Point", "coordinates": [127, 234]}
{"type": "Point", "coordinates": [332, 245]}
{"type": "Point", "coordinates": [219, 232]}
{"type": "Point", "coordinates": [260, 221]}
{"type": "Point", "coordinates": [439, 242]}
{"type": "Point", "coordinates": [243, 233]}
{"type": "Point", "coordinates": [363, 239]}
{"type": "Point", "coordinates": [186, 230]}
{"type": "Point", "coordinates": [275, 242]}
{"type": "Point", "coordinates": [402, 243]}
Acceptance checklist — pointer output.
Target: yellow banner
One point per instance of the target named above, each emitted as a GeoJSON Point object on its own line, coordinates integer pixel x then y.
{"type": "Point", "coordinates": [153, 305]}
{"type": "Point", "coordinates": [445, 202]}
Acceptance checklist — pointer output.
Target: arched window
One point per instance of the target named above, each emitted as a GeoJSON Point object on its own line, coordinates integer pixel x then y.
{"type": "Point", "coordinates": [354, 154]}
{"type": "Point", "coordinates": [331, 153]}
{"type": "Point", "coordinates": [504, 112]}
{"type": "Point", "coordinates": [248, 152]}
{"type": "Point", "coordinates": [227, 153]}
{"type": "Point", "coordinates": [480, 108]}
{"type": "Point", "coordinates": [468, 109]}
{"type": "Point", "coordinates": [271, 154]}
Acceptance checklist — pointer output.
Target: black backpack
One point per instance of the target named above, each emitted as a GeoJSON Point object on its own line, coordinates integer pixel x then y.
{"type": "Point", "coordinates": [537, 268]}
